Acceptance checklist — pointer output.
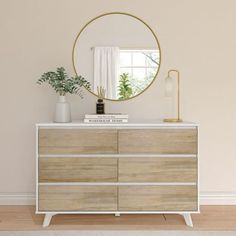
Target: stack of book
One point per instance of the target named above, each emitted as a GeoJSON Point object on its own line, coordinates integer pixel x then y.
{"type": "Point", "coordinates": [106, 118]}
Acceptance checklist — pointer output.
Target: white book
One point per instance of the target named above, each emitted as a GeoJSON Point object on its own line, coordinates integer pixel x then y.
{"type": "Point", "coordinates": [105, 121]}
{"type": "Point", "coordinates": [107, 116]}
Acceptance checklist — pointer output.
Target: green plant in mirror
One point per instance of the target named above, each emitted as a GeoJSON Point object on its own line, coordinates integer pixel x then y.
{"type": "Point", "coordinates": [64, 84]}
{"type": "Point", "coordinates": [125, 89]}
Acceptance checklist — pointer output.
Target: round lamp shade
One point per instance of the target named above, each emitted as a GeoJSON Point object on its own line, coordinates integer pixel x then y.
{"type": "Point", "coordinates": [169, 86]}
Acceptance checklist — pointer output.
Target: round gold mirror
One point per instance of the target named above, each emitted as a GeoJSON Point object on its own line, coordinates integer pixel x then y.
{"type": "Point", "coordinates": [117, 53]}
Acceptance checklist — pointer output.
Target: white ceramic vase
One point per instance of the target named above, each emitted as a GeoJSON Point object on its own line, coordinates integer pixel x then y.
{"type": "Point", "coordinates": [62, 111]}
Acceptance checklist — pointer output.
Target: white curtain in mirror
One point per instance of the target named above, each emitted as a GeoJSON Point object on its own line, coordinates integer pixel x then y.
{"type": "Point", "coordinates": [106, 70]}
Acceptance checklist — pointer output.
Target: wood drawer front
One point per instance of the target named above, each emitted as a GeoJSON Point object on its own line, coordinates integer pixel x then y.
{"type": "Point", "coordinates": [68, 169]}
{"type": "Point", "coordinates": [153, 169]}
{"type": "Point", "coordinates": [77, 198]}
{"type": "Point", "coordinates": [77, 141]}
{"type": "Point", "coordinates": [158, 141]}
{"type": "Point", "coordinates": [157, 198]}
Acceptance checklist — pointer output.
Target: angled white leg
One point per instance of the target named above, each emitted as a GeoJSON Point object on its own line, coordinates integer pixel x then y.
{"type": "Point", "coordinates": [188, 219]}
{"type": "Point", "coordinates": [117, 214]}
{"type": "Point", "coordinates": [47, 219]}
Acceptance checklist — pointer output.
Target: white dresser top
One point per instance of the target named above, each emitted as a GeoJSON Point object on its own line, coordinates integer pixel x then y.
{"type": "Point", "coordinates": [131, 123]}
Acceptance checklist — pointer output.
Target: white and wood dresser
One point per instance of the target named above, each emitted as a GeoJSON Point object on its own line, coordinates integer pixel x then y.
{"type": "Point", "coordinates": [133, 168]}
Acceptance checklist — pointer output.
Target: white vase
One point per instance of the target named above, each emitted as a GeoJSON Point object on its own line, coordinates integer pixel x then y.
{"type": "Point", "coordinates": [62, 111]}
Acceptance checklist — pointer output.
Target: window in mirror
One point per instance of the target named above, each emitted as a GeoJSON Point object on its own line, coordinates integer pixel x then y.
{"type": "Point", "coordinates": [139, 68]}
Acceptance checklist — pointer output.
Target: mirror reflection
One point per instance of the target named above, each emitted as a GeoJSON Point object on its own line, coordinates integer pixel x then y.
{"type": "Point", "coordinates": [119, 53]}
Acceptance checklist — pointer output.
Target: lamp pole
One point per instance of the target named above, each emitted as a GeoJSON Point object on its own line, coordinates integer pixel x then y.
{"type": "Point", "coordinates": [178, 98]}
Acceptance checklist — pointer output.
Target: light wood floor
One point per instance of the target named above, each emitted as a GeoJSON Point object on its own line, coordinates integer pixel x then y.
{"type": "Point", "coordinates": [210, 218]}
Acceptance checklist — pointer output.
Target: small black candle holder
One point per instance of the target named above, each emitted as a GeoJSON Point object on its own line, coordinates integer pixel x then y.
{"type": "Point", "coordinates": [100, 106]}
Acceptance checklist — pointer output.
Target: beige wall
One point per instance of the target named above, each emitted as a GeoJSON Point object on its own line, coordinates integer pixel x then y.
{"type": "Point", "coordinates": [196, 37]}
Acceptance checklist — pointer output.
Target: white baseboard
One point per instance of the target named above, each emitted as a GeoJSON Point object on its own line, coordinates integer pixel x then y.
{"type": "Point", "coordinates": [206, 198]}
{"type": "Point", "coordinates": [218, 198]}
{"type": "Point", "coordinates": [17, 198]}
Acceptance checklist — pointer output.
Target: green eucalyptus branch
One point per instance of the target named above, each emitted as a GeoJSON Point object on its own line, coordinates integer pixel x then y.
{"type": "Point", "coordinates": [64, 84]}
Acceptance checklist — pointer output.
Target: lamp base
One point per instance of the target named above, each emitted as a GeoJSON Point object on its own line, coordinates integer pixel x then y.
{"type": "Point", "coordinates": [173, 120]}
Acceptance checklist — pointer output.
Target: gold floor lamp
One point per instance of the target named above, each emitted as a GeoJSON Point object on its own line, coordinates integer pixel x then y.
{"type": "Point", "coordinates": [169, 88]}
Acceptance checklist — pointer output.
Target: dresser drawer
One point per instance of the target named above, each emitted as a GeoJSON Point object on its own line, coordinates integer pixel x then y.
{"type": "Point", "coordinates": [157, 198]}
{"type": "Point", "coordinates": [77, 198]}
{"type": "Point", "coordinates": [158, 141]}
{"type": "Point", "coordinates": [68, 169]}
{"type": "Point", "coordinates": [158, 169]}
{"type": "Point", "coordinates": [77, 141]}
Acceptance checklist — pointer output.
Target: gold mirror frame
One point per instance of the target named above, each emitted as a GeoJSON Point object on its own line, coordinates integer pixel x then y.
{"type": "Point", "coordinates": [126, 14]}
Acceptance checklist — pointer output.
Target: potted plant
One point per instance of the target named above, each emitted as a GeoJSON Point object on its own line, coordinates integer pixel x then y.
{"type": "Point", "coordinates": [125, 89]}
{"type": "Point", "coordinates": [64, 84]}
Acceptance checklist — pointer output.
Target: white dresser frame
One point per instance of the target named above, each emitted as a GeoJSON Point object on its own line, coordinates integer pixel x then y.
{"type": "Point", "coordinates": [136, 125]}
